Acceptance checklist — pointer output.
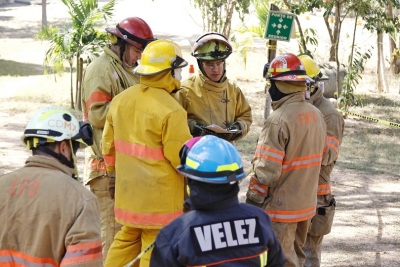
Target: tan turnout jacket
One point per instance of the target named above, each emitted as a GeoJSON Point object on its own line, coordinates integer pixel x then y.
{"type": "Point", "coordinates": [103, 79]}
{"type": "Point", "coordinates": [288, 159]}
{"type": "Point", "coordinates": [48, 218]}
{"type": "Point", "coordinates": [335, 127]}
{"type": "Point", "coordinates": [208, 102]}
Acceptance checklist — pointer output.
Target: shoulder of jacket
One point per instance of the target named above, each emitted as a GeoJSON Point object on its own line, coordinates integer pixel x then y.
{"type": "Point", "coordinates": [80, 190]}
{"type": "Point", "coordinates": [188, 82]}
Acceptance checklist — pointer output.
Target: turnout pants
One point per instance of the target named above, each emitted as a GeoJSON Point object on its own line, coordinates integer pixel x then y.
{"type": "Point", "coordinates": [292, 237]}
{"type": "Point", "coordinates": [109, 227]}
{"type": "Point", "coordinates": [321, 225]}
{"type": "Point", "coordinates": [127, 245]}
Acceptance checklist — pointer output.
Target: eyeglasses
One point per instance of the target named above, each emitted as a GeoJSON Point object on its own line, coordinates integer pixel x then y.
{"type": "Point", "coordinates": [211, 66]}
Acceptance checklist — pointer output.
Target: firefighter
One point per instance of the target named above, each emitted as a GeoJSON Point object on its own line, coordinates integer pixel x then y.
{"type": "Point", "coordinates": [288, 157]}
{"type": "Point", "coordinates": [209, 97]}
{"type": "Point", "coordinates": [104, 78]}
{"type": "Point", "coordinates": [144, 131]}
{"type": "Point", "coordinates": [218, 230]}
{"type": "Point", "coordinates": [322, 222]}
{"type": "Point", "coordinates": [47, 216]}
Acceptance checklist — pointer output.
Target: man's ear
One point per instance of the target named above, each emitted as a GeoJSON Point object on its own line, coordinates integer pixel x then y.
{"type": "Point", "coordinates": [65, 149]}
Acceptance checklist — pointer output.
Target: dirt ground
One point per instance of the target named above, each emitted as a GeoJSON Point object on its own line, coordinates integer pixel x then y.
{"type": "Point", "coordinates": [366, 229]}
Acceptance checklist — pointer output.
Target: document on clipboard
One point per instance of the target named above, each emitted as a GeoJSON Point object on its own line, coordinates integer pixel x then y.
{"type": "Point", "coordinates": [218, 129]}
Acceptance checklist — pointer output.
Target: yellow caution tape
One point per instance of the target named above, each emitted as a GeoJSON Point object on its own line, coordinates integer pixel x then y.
{"type": "Point", "coordinates": [383, 122]}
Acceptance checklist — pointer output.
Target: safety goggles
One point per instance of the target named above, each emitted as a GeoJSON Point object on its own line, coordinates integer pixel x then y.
{"type": "Point", "coordinates": [85, 133]}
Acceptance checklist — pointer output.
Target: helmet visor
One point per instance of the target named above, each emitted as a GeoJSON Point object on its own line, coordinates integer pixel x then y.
{"type": "Point", "coordinates": [85, 133]}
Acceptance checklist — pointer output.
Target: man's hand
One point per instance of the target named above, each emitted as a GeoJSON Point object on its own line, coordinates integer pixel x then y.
{"type": "Point", "coordinates": [196, 129]}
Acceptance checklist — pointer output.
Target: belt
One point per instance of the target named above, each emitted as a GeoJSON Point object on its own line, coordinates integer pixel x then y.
{"type": "Point", "coordinates": [96, 165]}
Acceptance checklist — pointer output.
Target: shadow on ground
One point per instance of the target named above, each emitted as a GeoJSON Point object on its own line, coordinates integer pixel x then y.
{"type": "Point", "coordinates": [13, 68]}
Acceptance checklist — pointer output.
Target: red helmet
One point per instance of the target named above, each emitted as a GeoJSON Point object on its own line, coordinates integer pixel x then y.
{"type": "Point", "coordinates": [288, 67]}
{"type": "Point", "coordinates": [133, 30]}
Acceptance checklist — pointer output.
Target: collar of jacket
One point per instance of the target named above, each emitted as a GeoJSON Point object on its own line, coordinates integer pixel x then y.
{"type": "Point", "coordinates": [123, 73]}
{"type": "Point", "coordinates": [213, 86]}
{"type": "Point", "coordinates": [111, 53]}
{"type": "Point", "coordinates": [295, 97]}
{"type": "Point", "coordinates": [48, 163]}
{"type": "Point", "coordinates": [206, 196]}
{"type": "Point", "coordinates": [316, 98]}
{"type": "Point", "coordinates": [163, 80]}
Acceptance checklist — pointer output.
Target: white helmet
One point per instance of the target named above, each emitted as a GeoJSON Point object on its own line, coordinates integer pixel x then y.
{"type": "Point", "coordinates": [55, 124]}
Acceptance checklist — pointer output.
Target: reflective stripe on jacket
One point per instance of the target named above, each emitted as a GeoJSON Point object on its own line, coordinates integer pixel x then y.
{"type": "Point", "coordinates": [335, 128]}
{"type": "Point", "coordinates": [208, 102]}
{"type": "Point", "coordinates": [287, 160]}
{"type": "Point", "coordinates": [47, 217]}
{"type": "Point", "coordinates": [144, 132]}
{"type": "Point", "coordinates": [103, 79]}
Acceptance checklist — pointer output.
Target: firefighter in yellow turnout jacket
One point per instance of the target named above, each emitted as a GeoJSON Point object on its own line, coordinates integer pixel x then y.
{"type": "Point", "coordinates": [288, 158]}
{"type": "Point", "coordinates": [104, 78]}
{"type": "Point", "coordinates": [144, 132]}
{"type": "Point", "coordinates": [322, 222]}
{"type": "Point", "coordinates": [47, 218]}
{"type": "Point", "coordinates": [209, 97]}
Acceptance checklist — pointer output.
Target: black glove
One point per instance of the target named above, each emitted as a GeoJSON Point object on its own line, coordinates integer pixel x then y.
{"type": "Point", "coordinates": [196, 129]}
{"type": "Point", "coordinates": [111, 187]}
{"type": "Point", "coordinates": [249, 201]}
{"type": "Point", "coordinates": [234, 135]}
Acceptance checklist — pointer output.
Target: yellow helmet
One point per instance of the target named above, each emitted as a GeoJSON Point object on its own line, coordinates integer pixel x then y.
{"type": "Point", "coordinates": [212, 46]}
{"type": "Point", "coordinates": [312, 68]}
{"type": "Point", "coordinates": [160, 56]}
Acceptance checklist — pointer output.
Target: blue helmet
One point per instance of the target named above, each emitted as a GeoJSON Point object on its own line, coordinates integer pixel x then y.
{"type": "Point", "coordinates": [210, 159]}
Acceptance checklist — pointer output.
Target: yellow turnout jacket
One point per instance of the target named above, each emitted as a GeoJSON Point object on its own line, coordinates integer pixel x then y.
{"type": "Point", "coordinates": [144, 132]}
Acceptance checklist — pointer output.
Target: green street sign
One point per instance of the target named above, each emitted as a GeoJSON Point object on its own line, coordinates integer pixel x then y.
{"type": "Point", "coordinates": [279, 26]}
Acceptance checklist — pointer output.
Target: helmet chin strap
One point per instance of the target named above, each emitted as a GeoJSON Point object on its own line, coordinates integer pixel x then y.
{"type": "Point", "coordinates": [60, 157]}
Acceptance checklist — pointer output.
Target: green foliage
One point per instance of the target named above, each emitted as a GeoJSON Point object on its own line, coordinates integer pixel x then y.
{"type": "Point", "coordinates": [377, 19]}
{"type": "Point", "coordinates": [243, 37]}
{"type": "Point", "coordinates": [310, 37]}
{"type": "Point", "coordinates": [80, 39]}
{"type": "Point", "coordinates": [356, 62]}
{"type": "Point", "coordinates": [217, 14]}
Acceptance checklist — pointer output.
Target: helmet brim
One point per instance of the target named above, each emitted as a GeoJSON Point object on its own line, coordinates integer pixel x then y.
{"type": "Point", "coordinates": [191, 174]}
{"type": "Point", "coordinates": [293, 78]}
{"type": "Point", "coordinates": [146, 70]}
{"type": "Point", "coordinates": [117, 33]}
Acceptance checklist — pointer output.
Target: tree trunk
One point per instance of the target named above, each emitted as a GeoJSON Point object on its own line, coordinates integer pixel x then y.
{"type": "Point", "coordinates": [382, 80]}
{"type": "Point", "coordinates": [392, 43]}
{"type": "Point", "coordinates": [336, 37]}
{"type": "Point", "coordinates": [331, 38]}
{"type": "Point", "coordinates": [228, 21]}
{"type": "Point", "coordinates": [71, 82]}
{"type": "Point", "coordinates": [44, 13]}
{"type": "Point", "coordinates": [79, 76]}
